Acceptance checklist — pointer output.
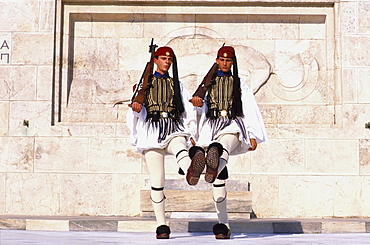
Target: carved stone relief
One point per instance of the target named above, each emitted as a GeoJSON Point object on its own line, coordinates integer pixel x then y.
{"type": "Point", "coordinates": [104, 55]}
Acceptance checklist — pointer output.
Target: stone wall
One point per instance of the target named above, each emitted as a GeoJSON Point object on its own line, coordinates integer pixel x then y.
{"type": "Point", "coordinates": [64, 63]}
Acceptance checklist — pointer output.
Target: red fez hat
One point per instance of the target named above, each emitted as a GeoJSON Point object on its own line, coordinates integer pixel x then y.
{"type": "Point", "coordinates": [166, 51]}
{"type": "Point", "coordinates": [226, 52]}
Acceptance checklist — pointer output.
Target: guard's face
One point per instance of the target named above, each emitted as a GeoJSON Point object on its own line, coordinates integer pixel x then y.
{"type": "Point", "coordinates": [163, 63]}
{"type": "Point", "coordinates": [224, 64]}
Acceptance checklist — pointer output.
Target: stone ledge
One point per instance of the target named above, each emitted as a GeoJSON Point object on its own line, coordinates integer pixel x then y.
{"type": "Point", "coordinates": [197, 215]}
{"type": "Point", "coordinates": [194, 2]}
{"type": "Point", "coordinates": [181, 184]}
{"type": "Point", "coordinates": [138, 224]}
{"type": "Point", "coordinates": [198, 201]}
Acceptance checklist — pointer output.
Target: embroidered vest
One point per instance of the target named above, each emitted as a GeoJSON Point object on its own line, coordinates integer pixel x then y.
{"type": "Point", "coordinates": [220, 97]}
{"type": "Point", "coordinates": [160, 95]}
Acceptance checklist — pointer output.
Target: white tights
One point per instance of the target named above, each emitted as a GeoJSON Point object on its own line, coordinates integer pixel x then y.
{"type": "Point", "coordinates": [155, 162]}
{"type": "Point", "coordinates": [229, 142]}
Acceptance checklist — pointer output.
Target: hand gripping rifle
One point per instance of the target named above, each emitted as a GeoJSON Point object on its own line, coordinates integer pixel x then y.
{"type": "Point", "coordinates": [139, 93]}
{"type": "Point", "coordinates": [207, 81]}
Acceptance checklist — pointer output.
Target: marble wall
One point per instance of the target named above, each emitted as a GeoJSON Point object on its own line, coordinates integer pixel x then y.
{"type": "Point", "coordinates": [63, 64]}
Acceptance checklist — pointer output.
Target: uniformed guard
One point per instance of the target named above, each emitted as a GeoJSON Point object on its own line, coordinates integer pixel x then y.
{"type": "Point", "coordinates": [230, 123]}
{"type": "Point", "coordinates": [162, 123]}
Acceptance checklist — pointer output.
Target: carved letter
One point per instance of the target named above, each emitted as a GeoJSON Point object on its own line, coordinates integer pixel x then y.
{"type": "Point", "coordinates": [5, 44]}
{"type": "Point", "coordinates": [7, 57]}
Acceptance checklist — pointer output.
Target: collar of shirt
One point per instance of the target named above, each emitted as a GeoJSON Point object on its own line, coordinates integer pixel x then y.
{"type": "Point", "coordinates": [220, 73]}
{"type": "Point", "coordinates": [159, 75]}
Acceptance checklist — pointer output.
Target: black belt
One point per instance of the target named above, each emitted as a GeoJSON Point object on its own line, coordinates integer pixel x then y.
{"type": "Point", "coordinates": [215, 113]}
{"type": "Point", "coordinates": [156, 115]}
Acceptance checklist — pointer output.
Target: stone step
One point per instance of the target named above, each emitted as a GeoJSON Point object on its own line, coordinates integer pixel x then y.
{"type": "Point", "coordinates": [198, 201]}
{"type": "Point", "coordinates": [139, 224]}
{"type": "Point", "coordinates": [180, 197]}
{"type": "Point", "coordinates": [181, 184]}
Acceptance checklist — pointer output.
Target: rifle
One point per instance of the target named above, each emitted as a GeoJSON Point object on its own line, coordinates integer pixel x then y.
{"type": "Point", "coordinates": [207, 81]}
{"type": "Point", "coordinates": [139, 93]}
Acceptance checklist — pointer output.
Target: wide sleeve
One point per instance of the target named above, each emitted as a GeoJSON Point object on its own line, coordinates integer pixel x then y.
{"type": "Point", "coordinates": [189, 115]}
{"type": "Point", "coordinates": [132, 121]}
{"type": "Point", "coordinates": [252, 116]}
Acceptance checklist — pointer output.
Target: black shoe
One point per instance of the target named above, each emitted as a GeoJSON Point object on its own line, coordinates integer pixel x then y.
{"type": "Point", "coordinates": [198, 162]}
{"type": "Point", "coordinates": [163, 232]}
{"type": "Point", "coordinates": [214, 153]}
{"type": "Point", "coordinates": [221, 231]}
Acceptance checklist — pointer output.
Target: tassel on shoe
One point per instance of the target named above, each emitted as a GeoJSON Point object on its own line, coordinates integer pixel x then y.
{"type": "Point", "coordinates": [163, 232]}
{"type": "Point", "coordinates": [221, 231]}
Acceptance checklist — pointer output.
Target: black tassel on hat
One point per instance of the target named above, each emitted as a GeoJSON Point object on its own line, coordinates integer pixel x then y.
{"type": "Point", "coordinates": [178, 97]}
{"type": "Point", "coordinates": [237, 107]}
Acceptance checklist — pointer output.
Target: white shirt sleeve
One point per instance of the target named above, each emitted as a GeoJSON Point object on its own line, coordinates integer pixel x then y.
{"type": "Point", "coordinates": [252, 116]}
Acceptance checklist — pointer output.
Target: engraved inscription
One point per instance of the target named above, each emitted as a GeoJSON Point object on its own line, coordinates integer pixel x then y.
{"type": "Point", "coordinates": [4, 52]}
